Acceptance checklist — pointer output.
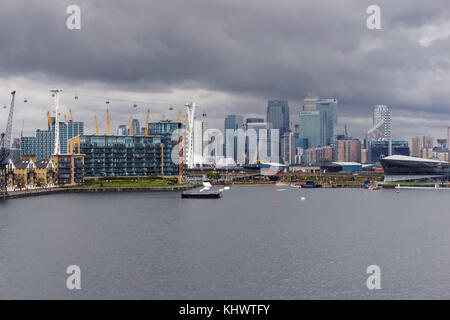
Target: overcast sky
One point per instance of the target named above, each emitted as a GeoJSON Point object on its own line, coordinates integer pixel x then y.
{"type": "Point", "coordinates": [228, 56]}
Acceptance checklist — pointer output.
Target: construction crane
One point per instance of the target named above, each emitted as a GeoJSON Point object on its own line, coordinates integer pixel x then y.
{"type": "Point", "coordinates": [71, 116]}
{"type": "Point", "coordinates": [146, 122]}
{"type": "Point", "coordinates": [5, 148]}
{"type": "Point", "coordinates": [49, 118]}
{"type": "Point", "coordinates": [5, 142]}
{"type": "Point", "coordinates": [108, 127]}
{"type": "Point", "coordinates": [130, 132]}
{"type": "Point", "coordinates": [96, 125]}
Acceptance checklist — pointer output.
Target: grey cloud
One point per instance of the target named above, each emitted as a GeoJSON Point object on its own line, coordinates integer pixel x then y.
{"type": "Point", "coordinates": [249, 50]}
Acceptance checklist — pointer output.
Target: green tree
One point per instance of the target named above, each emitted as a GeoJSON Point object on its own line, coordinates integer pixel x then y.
{"type": "Point", "coordinates": [213, 175]}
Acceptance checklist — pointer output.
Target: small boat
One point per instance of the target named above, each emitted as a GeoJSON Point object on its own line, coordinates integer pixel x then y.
{"type": "Point", "coordinates": [310, 184]}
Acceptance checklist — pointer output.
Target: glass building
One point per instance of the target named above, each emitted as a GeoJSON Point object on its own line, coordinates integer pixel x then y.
{"type": "Point", "coordinates": [380, 149]}
{"type": "Point", "coordinates": [254, 120]}
{"type": "Point", "coordinates": [328, 108]}
{"type": "Point", "coordinates": [278, 115]}
{"type": "Point", "coordinates": [311, 129]}
{"type": "Point", "coordinates": [43, 144]}
{"type": "Point", "coordinates": [232, 122]}
{"type": "Point", "coordinates": [126, 155]}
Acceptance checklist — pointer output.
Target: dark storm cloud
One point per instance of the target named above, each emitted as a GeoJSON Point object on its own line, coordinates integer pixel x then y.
{"type": "Point", "coordinates": [247, 49]}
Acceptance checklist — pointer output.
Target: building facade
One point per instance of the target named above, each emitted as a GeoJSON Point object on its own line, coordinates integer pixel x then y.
{"type": "Point", "coordinates": [381, 124]}
{"type": "Point", "coordinates": [42, 145]}
{"type": "Point", "coordinates": [288, 149]}
{"type": "Point", "coordinates": [348, 150]}
{"type": "Point", "coordinates": [311, 129]}
{"type": "Point", "coordinates": [319, 155]}
{"type": "Point", "coordinates": [127, 155]}
{"type": "Point", "coordinates": [232, 122]}
{"type": "Point", "coordinates": [278, 115]}
{"type": "Point", "coordinates": [328, 110]}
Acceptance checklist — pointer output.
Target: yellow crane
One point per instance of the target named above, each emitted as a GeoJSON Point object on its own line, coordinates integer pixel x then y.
{"type": "Point", "coordinates": [96, 125]}
{"type": "Point", "coordinates": [146, 122]}
{"type": "Point", "coordinates": [108, 127]}
{"type": "Point", "coordinates": [71, 117]}
{"type": "Point", "coordinates": [50, 121]}
{"type": "Point", "coordinates": [130, 132]}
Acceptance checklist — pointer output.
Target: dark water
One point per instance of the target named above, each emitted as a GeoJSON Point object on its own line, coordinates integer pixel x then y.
{"type": "Point", "coordinates": [243, 246]}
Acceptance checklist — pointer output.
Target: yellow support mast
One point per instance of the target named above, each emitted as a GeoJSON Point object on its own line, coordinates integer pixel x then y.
{"type": "Point", "coordinates": [71, 116]}
{"type": "Point", "coordinates": [65, 117]}
{"type": "Point", "coordinates": [108, 127]}
{"type": "Point", "coordinates": [130, 132]}
{"type": "Point", "coordinates": [179, 116]}
{"type": "Point", "coordinates": [146, 122]}
{"type": "Point", "coordinates": [96, 125]}
{"type": "Point", "coordinates": [50, 121]}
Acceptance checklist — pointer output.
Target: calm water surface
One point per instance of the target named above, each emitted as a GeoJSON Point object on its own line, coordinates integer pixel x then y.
{"type": "Point", "coordinates": [243, 246]}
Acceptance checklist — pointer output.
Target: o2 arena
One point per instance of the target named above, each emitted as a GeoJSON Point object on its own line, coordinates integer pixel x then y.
{"type": "Point", "coordinates": [403, 168]}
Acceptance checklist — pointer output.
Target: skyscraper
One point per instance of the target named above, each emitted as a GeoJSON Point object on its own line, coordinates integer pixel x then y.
{"type": "Point", "coordinates": [259, 143]}
{"type": "Point", "coordinates": [278, 115]}
{"type": "Point", "coordinates": [254, 120]}
{"type": "Point", "coordinates": [381, 124]}
{"type": "Point", "coordinates": [427, 142]}
{"type": "Point", "coordinates": [311, 127]}
{"type": "Point", "coordinates": [309, 103]}
{"type": "Point", "coordinates": [328, 109]}
{"type": "Point", "coordinates": [416, 146]}
{"type": "Point", "coordinates": [318, 121]}
{"type": "Point", "coordinates": [232, 122]}
{"type": "Point", "coordinates": [288, 148]}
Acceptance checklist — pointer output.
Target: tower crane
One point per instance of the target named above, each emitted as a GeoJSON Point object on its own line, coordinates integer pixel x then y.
{"type": "Point", "coordinates": [146, 122]}
{"type": "Point", "coordinates": [5, 139]}
{"type": "Point", "coordinates": [5, 148]}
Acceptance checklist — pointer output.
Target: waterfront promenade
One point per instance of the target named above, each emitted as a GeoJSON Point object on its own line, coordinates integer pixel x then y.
{"type": "Point", "coordinates": [47, 191]}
